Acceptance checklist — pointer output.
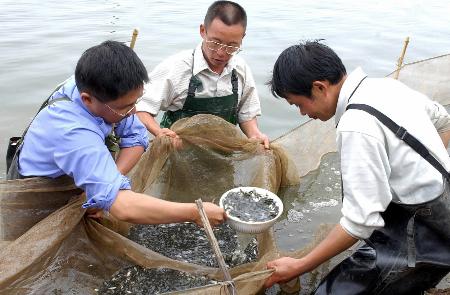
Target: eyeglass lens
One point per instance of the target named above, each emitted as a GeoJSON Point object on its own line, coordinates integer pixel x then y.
{"type": "Point", "coordinates": [215, 46]}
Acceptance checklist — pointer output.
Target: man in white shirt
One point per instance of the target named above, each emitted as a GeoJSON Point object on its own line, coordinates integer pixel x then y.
{"type": "Point", "coordinates": [394, 198]}
{"type": "Point", "coordinates": [211, 79]}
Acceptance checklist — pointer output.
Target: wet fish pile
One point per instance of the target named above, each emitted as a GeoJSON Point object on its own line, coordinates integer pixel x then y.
{"type": "Point", "coordinates": [250, 206]}
{"type": "Point", "coordinates": [183, 242]}
{"type": "Point", "coordinates": [138, 280]}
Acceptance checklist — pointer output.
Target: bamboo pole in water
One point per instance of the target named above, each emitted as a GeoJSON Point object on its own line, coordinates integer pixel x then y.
{"type": "Point", "coordinates": [400, 59]}
{"type": "Point", "coordinates": [133, 38]}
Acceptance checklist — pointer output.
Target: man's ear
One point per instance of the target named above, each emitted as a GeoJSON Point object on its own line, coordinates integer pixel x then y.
{"type": "Point", "coordinates": [319, 87]}
{"type": "Point", "coordinates": [86, 98]}
{"type": "Point", "coordinates": [203, 31]}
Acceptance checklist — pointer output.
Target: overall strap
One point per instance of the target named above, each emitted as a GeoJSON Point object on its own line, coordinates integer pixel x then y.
{"type": "Point", "coordinates": [403, 134]}
{"type": "Point", "coordinates": [234, 81]}
{"type": "Point", "coordinates": [15, 143]}
{"type": "Point", "coordinates": [194, 82]}
{"type": "Point", "coordinates": [47, 102]}
{"type": "Point", "coordinates": [193, 60]}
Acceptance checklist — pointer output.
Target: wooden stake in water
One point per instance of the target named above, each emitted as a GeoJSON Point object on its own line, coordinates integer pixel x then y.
{"type": "Point", "coordinates": [215, 246]}
{"type": "Point", "coordinates": [133, 38]}
{"type": "Point", "coordinates": [400, 59]}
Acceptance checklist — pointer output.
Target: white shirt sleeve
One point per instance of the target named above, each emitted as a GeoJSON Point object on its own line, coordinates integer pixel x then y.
{"type": "Point", "coordinates": [159, 91]}
{"type": "Point", "coordinates": [438, 115]}
{"type": "Point", "coordinates": [249, 104]}
{"type": "Point", "coordinates": [365, 173]}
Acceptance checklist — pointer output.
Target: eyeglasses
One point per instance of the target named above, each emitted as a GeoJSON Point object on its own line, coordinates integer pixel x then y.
{"type": "Point", "coordinates": [127, 113]}
{"type": "Point", "coordinates": [216, 46]}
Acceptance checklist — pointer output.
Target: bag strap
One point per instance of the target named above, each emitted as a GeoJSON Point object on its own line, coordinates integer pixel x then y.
{"type": "Point", "coordinates": [404, 135]}
{"type": "Point", "coordinates": [47, 102]}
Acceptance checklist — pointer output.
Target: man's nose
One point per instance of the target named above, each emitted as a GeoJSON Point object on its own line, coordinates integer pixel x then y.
{"type": "Point", "coordinates": [222, 51]}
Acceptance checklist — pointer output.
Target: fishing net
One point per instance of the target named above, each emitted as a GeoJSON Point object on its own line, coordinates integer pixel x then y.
{"type": "Point", "coordinates": [49, 246]}
{"type": "Point", "coordinates": [430, 76]}
{"type": "Point", "coordinates": [53, 247]}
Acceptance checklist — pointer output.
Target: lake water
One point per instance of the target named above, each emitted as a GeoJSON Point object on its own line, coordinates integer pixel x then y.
{"type": "Point", "coordinates": [41, 41]}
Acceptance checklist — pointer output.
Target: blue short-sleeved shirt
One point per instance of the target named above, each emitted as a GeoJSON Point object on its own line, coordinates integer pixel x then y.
{"type": "Point", "coordinates": [66, 139]}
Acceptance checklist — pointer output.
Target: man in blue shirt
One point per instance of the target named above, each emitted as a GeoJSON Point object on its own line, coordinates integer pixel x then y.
{"type": "Point", "coordinates": [68, 138]}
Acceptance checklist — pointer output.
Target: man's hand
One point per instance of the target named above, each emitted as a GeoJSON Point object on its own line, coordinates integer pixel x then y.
{"type": "Point", "coordinates": [250, 128]}
{"type": "Point", "coordinates": [94, 213]}
{"type": "Point", "coordinates": [286, 268]}
{"type": "Point", "coordinates": [262, 138]}
{"type": "Point", "coordinates": [215, 214]}
{"type": "Point", "coordinates": [174, 138]}
{"type": "Point", "coordinates": [150, 123]}
{"type": "Point", "coordinates": [166, 132]}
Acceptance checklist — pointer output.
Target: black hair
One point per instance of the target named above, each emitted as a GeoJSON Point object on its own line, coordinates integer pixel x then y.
{"type": "Point", "coordinates": [230, 13]}
{"type": "Point", "coordinates": [109, 71]}
{"type": "Point", "coordinates": [300, 65]}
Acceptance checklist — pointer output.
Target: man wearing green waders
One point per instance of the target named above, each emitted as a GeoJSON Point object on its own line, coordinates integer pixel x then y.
{"type": "Point", "coordinates": [211, 79]}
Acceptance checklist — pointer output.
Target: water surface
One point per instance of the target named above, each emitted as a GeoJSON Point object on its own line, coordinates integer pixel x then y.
{"type": "Point", "coordinates": [40, 42]}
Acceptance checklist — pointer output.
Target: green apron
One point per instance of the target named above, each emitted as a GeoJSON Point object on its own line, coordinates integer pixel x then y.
{"type": "Point", "coordinates": [223, 106]}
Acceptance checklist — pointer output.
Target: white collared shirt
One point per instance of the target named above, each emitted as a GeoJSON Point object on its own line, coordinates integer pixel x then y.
{"type": "Point", "coordinates": [377, 167]}
{"type": "Point", "coordinates": [169, 81]}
